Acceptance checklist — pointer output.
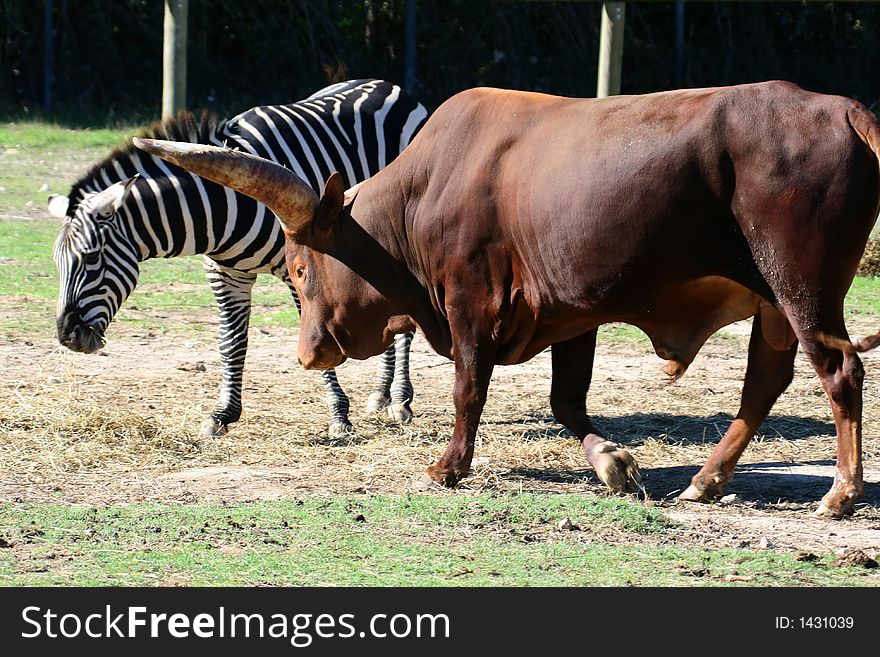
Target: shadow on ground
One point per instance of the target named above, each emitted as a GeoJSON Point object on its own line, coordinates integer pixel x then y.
{"type": "Point", "coordinates": [635, 428]}
{"type": "Point", "coordinates": [771, 482]}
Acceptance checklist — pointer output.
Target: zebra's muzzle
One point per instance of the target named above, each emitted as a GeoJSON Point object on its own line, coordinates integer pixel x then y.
{"type": "Point", "coordinates": [79, 336]}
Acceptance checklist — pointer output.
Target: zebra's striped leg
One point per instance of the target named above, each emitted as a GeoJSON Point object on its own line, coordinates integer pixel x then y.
{"type": "Point", "coordinates": [232, 289]}
{"type": "Point", "coordinates": [393, 392]}
{"type": "Point", "coordinates": [337, 402]}
{"type": "Point", "coordinates": [401, 388]}
{"type": "Point", "coordinates": [380, 398]}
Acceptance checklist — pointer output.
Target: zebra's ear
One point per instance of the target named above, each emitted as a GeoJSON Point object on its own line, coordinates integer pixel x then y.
{"type": "Point", "coordinates": [58, 204]}
{"type": "Point", "coordinates": [108, 202]}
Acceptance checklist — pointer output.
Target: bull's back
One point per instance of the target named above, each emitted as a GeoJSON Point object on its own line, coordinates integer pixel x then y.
{"type": "Point", "coordinates": [572, 190]}
{"type": "Point", "coordinates": [582, 191]}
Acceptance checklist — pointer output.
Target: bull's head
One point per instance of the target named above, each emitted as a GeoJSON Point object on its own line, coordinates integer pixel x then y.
{"type": "Point", "coordinates": [343, 313]}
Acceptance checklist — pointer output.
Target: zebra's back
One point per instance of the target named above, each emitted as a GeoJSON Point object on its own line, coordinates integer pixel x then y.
{"type": "Point", "coordinates": [355, 128]}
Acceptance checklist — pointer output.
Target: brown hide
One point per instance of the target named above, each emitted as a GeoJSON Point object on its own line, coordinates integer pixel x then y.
{"type": "Point", "coordinates": [516, 221]}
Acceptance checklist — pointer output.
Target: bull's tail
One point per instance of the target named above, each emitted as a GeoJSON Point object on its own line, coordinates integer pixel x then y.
{"type": "Point", "coordinates": [864, 124]}
{"type": "Point", "coordinates": [865, 344]}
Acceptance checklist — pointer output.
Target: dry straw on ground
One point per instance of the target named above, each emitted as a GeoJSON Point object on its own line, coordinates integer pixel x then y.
{"type": "Point", "coordinates": [80, 435]}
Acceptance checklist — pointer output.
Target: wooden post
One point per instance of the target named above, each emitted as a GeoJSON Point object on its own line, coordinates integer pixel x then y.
{"type": "Point", "coordinates": [610, 49]}
{"type": "Point", "coordinates": [48, 56]}
{"type": "Point", "coordinates": [409, 76]}
{"type": "Point", "coordinates": [174, 57]}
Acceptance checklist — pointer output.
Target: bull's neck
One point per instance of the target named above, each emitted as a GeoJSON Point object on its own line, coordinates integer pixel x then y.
{"type": "Point", "coordinates": [378, 246]}
{"type": "Point", "coordinates": [375, 240]}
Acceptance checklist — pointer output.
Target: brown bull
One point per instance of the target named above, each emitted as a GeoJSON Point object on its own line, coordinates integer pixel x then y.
{"type": "Point", "coordinates": [517, 221]}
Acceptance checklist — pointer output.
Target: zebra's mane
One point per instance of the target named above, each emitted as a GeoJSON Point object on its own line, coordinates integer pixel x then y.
{"type": "Point", "coordinates": [183, 127]}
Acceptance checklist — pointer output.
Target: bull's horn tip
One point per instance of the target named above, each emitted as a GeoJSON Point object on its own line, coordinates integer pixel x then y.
{"type": "Point", "coordinates": [146, 144]}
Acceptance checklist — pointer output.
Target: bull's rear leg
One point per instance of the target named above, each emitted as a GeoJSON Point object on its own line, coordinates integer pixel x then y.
{"type": "Point", "coordinates": [572, 371]}
{"type": "Point", "coordinates": [768, 374]}
{"type": "Point", "coordinates": [841, 374]}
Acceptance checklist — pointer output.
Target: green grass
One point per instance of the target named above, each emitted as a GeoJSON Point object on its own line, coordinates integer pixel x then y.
{"type": "Point", "coordinates": [35, 153]}
{"type": "Point", "coordinates": [863, 297]}
{"type": "Point", "coordinates": [45, 135]}
{"type": "Point", "coordinates": [494, 540]}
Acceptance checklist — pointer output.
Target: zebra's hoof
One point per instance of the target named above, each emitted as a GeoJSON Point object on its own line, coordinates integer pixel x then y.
{"type": "Point", "coordinates": [377, 401]}
{"type": "Point", "coordinates": [400, 413]}
{"type": "Point", "coordinates": [211, 428]}
{"type": "Point", "coordinates": [339, 429]}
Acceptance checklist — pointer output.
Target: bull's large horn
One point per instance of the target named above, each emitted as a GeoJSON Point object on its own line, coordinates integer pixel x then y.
{"type": "Point", "coordinates": [283, 191]}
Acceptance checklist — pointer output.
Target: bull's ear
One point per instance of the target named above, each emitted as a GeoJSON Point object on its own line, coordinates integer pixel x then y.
{"type": "Point", "coordinates": [330, 205]}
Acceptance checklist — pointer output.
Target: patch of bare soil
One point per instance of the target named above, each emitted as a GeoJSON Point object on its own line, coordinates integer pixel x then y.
{"type": "Point", "coordinates": [122, 427]}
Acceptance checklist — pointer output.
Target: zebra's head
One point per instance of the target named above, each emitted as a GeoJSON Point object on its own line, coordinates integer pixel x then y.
{"type": "Point", "coordinates": [97, 264]}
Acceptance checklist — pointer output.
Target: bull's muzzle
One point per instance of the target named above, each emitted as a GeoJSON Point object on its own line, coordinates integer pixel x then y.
{"type": "Point", "coordinates": [320, 358]}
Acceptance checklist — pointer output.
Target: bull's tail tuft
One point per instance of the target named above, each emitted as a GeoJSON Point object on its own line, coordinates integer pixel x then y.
{"type": "Point", "coordinates": [865, 344]}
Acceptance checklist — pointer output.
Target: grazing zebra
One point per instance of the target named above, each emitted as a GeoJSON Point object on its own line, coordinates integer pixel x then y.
{"type": "Point", "coordinates": [131, 206]}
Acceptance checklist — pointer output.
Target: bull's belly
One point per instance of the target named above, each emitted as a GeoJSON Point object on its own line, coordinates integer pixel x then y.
{"type": "Point", "coordinates": [678, 319]}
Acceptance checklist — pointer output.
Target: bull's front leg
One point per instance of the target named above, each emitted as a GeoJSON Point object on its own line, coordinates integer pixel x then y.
{"type": "Point", "coordinates": [473, 370]}
{"type": "Point", "coordinates": [572, 371]}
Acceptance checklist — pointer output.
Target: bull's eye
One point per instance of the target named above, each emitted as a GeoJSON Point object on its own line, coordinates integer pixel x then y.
{"type": "Point", "coordinates": [300, 271]}
{"type": "Point", "coordinates": [91, 258]}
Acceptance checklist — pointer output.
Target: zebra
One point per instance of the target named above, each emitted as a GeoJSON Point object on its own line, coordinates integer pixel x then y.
{"type": "Point", "coordinates": [131, 206]}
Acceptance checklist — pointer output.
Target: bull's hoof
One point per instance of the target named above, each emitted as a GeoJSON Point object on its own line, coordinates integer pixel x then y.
{"type": "Point", "coordinates": [704, 488]}
{"type": "Point", "coordinates": [399, 413]}
{"type": "Point", "coordinates": [212, 428]}
{"type": "Point", "coordinates": [377, 401]}
{"type": "Point", "coordinates": [837, 503]}
{"type": "Point", "coordinates": [445, 476]}
{"type": "Point", "coordinates": [339, 429]}
{"type": "Point", "coordinates": [616, 467]}
{"type": "Point", "coordinates": [693, 494]}
{"type": "Point", "coordinates": [424, 482]}
{"type": "Point", "coordinates": [833, 513]}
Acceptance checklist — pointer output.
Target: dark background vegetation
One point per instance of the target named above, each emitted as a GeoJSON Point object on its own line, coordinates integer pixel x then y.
{"type": "Point", "coordinates": [108, 53]}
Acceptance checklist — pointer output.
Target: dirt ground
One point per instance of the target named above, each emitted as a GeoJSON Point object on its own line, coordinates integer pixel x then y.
{"type": "Point", "coordinates": [122, 427]}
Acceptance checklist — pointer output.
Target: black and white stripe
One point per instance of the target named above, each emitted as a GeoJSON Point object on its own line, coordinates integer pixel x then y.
{"type": "Point", "coordinates": [132, 206]}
